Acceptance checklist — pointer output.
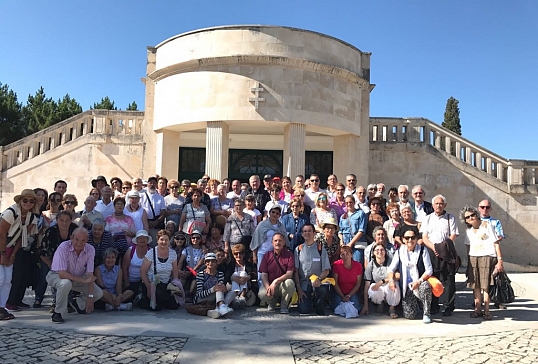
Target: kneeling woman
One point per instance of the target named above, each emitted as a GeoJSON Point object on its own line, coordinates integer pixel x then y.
{"type": "Point", "coordinates": [347, 275]}
{"type": "Point", "coordinates": [414, 264]}
{"type": "Point", "coordinates": [108, 276]}
{"type": "Point", "coordinates": [210, 287]}
{"type": "Point", "coordinates": [160, 263]}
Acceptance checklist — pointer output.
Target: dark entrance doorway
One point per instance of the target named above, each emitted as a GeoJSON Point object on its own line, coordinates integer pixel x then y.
{"type": "Point", "coordinates": [243, 163]}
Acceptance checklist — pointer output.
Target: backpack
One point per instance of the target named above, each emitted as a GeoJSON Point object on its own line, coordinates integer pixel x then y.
{"type": "Point", "coordinates": [320, 248]}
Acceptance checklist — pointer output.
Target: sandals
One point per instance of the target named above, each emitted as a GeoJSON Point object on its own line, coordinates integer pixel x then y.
{"type": "Point", "coordinates": [37, 304]}
{"type": "Point", "coordinates": [476, 314]}
{"type": "Point", "coordinates": [487, 316]}
{"type": "Point", "coordinates": [392, 313]}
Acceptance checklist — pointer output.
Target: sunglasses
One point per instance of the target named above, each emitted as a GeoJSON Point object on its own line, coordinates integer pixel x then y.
{"type": "Point", "coordinates": [375, 204]}
{"type": "Point", "coordinates": [485, 207]}
{"type": "Point", "coordinates": [275, 212]}
{"type": "Point", "coordinates": [351, 180]}
{"type": "Point", "coordinates": [409, 237]}
{"type": "Point", "coordinates": [125, 187]}
{"type": "Point", "coordinates": [69, 202]}
{"type": "Point", "coordinates": [322, 198]}
{"type": "Point", "coordinates": [28, 200]}
{"type": "Point", "coordinates": [314, 180]}
{"type": "Point", "coordinates": [469, 216]}
{"type": "Point", "coordinates": [196, 238]}
{"type": "Point", "coordinates": [238, 254]}
{"type": "Point", "coordinates": [210, 261]}
{"type": "Point", "coordinates": [302, 195]}
{"type": "Point", "coordinates": [174, 187]}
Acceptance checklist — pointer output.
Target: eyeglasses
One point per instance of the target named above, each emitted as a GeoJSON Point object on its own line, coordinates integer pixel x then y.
{"type": "Point", "coordinates": [174, 187]}
{"type": "Point", "coordinates": [238, 254]}
{"type": "Point", "coordinates": [28, 200]}
{"type": "Point", "coordinates": [69, 202]}
{"type": "Point", "coordinates": [375, 204]}
{"type": "Point", "coordinates": [418, 193]}
{"type": "Point", "coordinates": [351, 180]}
{"type": "Point", "coordinates": [125, 187]}
{"type": "Point", "coordinates": [180, 238]}
{"type": "Point", "coordinates": [196, 238]}
{"type": "Point", "coordinates": [409, 237]}
{"type": "Point", "coordinates": [274, 212]}
{"type": "Point", "coordinates": [314, 180]}
{"type": "Point", "coordinates": [485, 207]}
{"type": "Point", "coordinates": [212, 261]}
{"type": "Point", "coordinates": [469, 216]}
{"type": "Point", "coordinates": [322, 198]}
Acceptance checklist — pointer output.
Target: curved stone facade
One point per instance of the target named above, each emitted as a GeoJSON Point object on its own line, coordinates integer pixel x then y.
{"type": "Point", "coordinates": [257, 81]}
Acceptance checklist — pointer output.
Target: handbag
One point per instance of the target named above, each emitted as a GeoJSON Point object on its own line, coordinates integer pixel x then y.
{"type": "Point", "coordinates": [200, 309]}
{"type": "Point", "coordinates": [245, 239]}
{"type": "Point", "coordinates": [160, 225]}
{"type": "Point", "coordinates": [501, 291]}
{"type": "Point", "coordinates": [195, 225]}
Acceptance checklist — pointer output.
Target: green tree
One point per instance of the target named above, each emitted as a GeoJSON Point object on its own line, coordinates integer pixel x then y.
{"type": "Point", "coordinates": [39, 112]}
{"type": "Point", "coordinates": [106, 104]}
{"type": "Point", "coordinates": [452, 116]}
{"type": "Point", "coordinates": [67, 107]}
{"type": "Point", "coordinates": [132, 106]}
{"type": "Point", "coordinates": [11, 122]}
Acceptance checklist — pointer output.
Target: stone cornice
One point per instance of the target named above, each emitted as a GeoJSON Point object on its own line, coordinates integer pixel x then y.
{"type": "Point", "coordinates": [259, 60]}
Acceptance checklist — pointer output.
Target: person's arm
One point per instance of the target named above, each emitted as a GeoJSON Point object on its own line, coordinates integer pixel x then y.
{"type": "Point", "coordinates": [99, 278]}
{"type": "Point", "coordinates": [144, 273]}
{"type": "Point", "coordinates": [427, 241]}
{"type": "Point", "coordinates": [145, 221]}
{"type": "Point", "coordinates": [357, 286]}
{"type": "Point", "coordinates": [119, 291]}
{"type": "Point", "coordinates": [337, 289]}
{"type": "Point", "coordinates": [499, 266]}
{"type": "Point", "coordinates": [175, 270]}
{"type": "Point", "coordinates": [125, 263]}
{"type": "Point", "coordinates": [364, 310]}
{"type": "Point", "coordinates": [182, 220]}
{"type": "Point", "coordinates": [265, 281]}
{"type": "Point", "coordinates": [207, 220]}
{"type": "Point", "coordinates": [297, 280]}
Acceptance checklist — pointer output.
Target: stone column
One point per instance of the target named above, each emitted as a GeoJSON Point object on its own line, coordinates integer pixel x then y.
{"type": "Point", "coordinates": [351, 155]}
{"type": "Point", "coordinates": [167, 153]}
{"type": "Point", "coordinates": [294, 150]}
{"type": "Point", "coordinates": [217, 143]}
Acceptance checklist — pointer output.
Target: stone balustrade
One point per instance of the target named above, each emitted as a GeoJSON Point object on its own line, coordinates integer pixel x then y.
{"type": "Point", "coordinates": [519, 175]}
{"type": "Point", "coordinates": [103, 122]}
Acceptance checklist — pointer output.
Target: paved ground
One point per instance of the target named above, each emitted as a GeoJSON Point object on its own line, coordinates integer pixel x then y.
{"type": "Point", "coordinates": [258, 336]}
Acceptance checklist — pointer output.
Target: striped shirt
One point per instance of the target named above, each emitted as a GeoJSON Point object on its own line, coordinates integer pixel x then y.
{"type": "Point", "coordinates": [202, 284]}
{"type": "Point", "coordinates": [65, 259]}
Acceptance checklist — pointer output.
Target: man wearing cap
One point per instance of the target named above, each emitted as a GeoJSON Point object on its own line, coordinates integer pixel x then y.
{"type": "Point", "coordinates": [155, 207]}
{"type": "Point", "coordinates": [311, 193]}
{"type": "Point", "coordinates": [276, 271]}
{"type": "Point", "coordinates": [260, 194]}
{"type": "Point", "coordinates": [72, 269]}
{"type": "Point", "coordinates": [311, 259]}
{"type": "Point", "coordinates": [267, 182]}
{"type": "Point", "coordinates": [262, 240]}
{"type": "Point", "coordinates": [99, 182]}
{"type": "Point", "coordinates": [105, 205]}
{"type": "Point", "coordinates": [89, 214]}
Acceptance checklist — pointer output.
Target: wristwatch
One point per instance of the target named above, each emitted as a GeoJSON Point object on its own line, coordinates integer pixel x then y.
{"type": "Point", "coordinates": [90, 295]}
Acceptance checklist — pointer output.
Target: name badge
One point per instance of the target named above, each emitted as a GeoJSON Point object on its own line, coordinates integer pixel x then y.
{"type": "Point", "coordinates": [316, 259]}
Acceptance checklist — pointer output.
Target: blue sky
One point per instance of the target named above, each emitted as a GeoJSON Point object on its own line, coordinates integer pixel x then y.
{"type": "Point", "coordinates": [483, 53]}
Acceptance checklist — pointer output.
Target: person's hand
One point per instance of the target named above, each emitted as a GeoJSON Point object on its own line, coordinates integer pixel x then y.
{"type": "Point", "coordinates": [3, 260]}
{"type": "Point", "coordinates": [415, 285]}
{"type": "Point", "coordinates": [346, 298]}
{"type": "Point", "coordinates": [243, 280]}
{"type": "Point", "coordinates": [219, 287]}
{"type": "Point", "coordinates": [89, 305]}
{"type": "Point", "coordinates": [376, 286]}
{"type": "Point", "coordinates": [270, 291]}
{"type": "Point", "coordinates": [499, 266]}
{"type": "Point", "coordinates": [364, 311]}
{"type": "Point", "coordinates": [300, 294]}
{"type": "Point", "coordinates": [316, 283]}
{"type": "Point", "coordinates": [86, 220]}
{"type": "Point", "coordinates": [11, 260]}
{"type": "Point", "coordinates": [88, 278]}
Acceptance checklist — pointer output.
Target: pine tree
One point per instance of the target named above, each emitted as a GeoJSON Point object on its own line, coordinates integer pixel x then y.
{"type": "Point", "coordinates": [39, 112]}
{"type": "Point", "coordinates": [105, 103]}
{"type": "Point", "coordinates": [11, 122]}
{"type": "Point", "coordinates": [452, 116]}
{"type": "Point", "coordinates": [132, 106]}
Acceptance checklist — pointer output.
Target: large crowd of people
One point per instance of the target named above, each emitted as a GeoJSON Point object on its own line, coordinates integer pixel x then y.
{"type": "Point", "coordinates": [224, 245]}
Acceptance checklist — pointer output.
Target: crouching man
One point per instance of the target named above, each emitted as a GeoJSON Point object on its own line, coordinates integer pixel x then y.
{"type": "Point", "coordinates": [72, 269]}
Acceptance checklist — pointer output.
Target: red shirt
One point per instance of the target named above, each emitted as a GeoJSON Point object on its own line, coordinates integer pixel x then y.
{"type": "Point", "coordinates": [347, 278]}
{"type": "Point", "coordinates": [269, 265]}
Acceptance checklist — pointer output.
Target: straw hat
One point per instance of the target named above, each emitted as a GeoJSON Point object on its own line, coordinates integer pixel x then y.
{"type": "Point", "coordinates": [25, 193]}
{"type": "Point", "coordinates": [329, 221]}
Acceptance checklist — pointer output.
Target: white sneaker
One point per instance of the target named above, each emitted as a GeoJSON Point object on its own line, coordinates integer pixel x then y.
{"type": "Point", "coordinates": [270, 307]}
{"type": "Point", "coordinates": [126, 306]}
{"type": "Point", "coordinates": [213, 314]}
{"type": "Point", "coordinates": [109, 307]}
{"type": "Point", "coordinates": [224, 309]}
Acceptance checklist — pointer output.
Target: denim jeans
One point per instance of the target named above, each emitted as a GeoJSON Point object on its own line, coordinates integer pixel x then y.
{"type": "Point", "coordinates": [358, 255]}
{"type": "Point", "coordinates": [41, 285]}
{"type": "Point", "coordinates": [315, 296]}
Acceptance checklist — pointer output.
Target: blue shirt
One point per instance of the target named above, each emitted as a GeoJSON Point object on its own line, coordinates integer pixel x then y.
{"type": "Point", "coordinates": [350, 226]}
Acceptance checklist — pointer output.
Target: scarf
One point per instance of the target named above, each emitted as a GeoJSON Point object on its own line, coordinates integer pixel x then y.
{"type": "Point", "coordinates": [409, 260]}
{"type": "Point", "coordinates": [19, 228]}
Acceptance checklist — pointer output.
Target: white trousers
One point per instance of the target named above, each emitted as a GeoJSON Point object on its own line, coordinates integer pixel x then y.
{"type": "Point", "coordinates": [384, 293]}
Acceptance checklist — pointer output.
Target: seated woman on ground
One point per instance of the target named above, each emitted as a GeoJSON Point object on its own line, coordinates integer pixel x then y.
{"type": "Point", "coordinates": [240, 276]}
{"type": "Point", "coordinates": [413, 262]}
{"type": "Point", "coordinates": [210, 287]}
{"type": "Point", "coordinates": [376, 285]}
{"type": "Point", "coordinates": [132, 262]}
{"type": "Point", "coordinates": [163, 259]}
{"type": "Point", "coordinates": [109, 277]}
{"type": "Point", "coordinates": [347, 274]}
{"type": "Point", "coordinates": [192, 257]}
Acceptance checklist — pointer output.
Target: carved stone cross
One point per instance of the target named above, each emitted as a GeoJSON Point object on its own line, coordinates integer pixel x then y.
{"type": "Point", "coordinates": [256, 99]}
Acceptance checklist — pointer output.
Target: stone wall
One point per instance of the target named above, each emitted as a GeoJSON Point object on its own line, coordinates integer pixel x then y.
{"type": "Point", "coordinates": [441, 173]}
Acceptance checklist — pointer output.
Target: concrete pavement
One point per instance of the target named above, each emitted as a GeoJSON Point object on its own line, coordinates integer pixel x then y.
{"type": "Point", "coordinates": [256, 335]}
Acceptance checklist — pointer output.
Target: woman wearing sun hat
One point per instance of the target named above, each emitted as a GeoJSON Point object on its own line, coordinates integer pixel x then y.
{"type": "Point", "coordinates": [17, 225]}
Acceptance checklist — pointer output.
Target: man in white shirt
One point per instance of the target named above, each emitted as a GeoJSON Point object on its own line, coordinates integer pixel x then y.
{"type": "Point", "coordinates": [155, 207]}
{"type": "Point", "coordinates": [420, 207]}
{"type": "Point", "coordinates": [235, 193]}
{"type": "Point", "coordinates": [105, 205]}
{"type": "Point", "coordinates": [311, 194]}
{"type": "Point", "coordinates": [403, 196]}
{"type": "Point", "coordinates": [351, 185]}
{"type": "Point", "coordinates": [360, 197]}
{"type": "Point", "coordinates": [436, 228]}
{"type": "Point", "coordinates": [89, 214]}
